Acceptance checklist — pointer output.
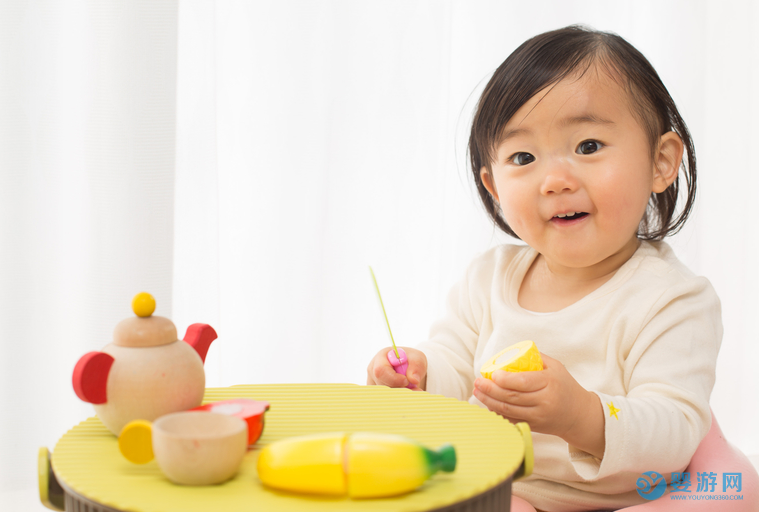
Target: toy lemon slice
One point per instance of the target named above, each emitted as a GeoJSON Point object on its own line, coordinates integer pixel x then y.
{"type": "Point", "coordinates": [520, 357]}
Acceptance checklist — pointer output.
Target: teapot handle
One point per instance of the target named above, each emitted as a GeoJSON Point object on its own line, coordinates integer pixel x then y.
{"type": "Point", "coordinates": [199, 337]}
{"type": "Point", "coordinates": [90, 378]}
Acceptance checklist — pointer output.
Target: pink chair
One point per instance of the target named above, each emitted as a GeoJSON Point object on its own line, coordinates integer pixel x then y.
{"type": "Point", "coordinates": [714, 454]}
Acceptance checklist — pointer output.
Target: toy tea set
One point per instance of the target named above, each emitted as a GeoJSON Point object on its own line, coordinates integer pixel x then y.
{"type": "Point", "coordinates": [147, 387]}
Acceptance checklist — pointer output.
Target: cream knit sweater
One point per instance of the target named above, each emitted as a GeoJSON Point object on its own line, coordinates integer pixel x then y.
{"type": "Point", "coordinates": [646, 341]}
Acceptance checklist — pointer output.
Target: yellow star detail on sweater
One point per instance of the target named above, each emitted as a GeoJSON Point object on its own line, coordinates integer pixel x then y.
{"type": "Point", "coordinates": [613, 410]}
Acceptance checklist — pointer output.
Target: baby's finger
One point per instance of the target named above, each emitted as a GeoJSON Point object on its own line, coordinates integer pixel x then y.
{"type": "Point", "coordinates": [510, 396]}
{"type": "Point", "coordinates": [384, 374]}
{"type": "Point", "coordinates": [513, 413]}
{"type": "Point", "coordinates": [370, 377]}
{"type": "Point", "coordinates": [417, 368]}
{"type": "Point", "coordinates": [524, 382]}
{"type": "Point", "coordinates": [415, 379]}
{"type": "Point", "coordinates": [370, 374]}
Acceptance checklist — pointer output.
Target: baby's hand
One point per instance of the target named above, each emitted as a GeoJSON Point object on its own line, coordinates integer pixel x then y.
{"type": "Point", "coordinates": [381, 372]}
{"type": "Point", "coordinates": [550, 401]}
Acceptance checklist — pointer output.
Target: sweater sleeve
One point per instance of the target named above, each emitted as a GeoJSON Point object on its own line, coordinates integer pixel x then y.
{"type": "Point", "coordinates": [668, 372]}
{"type": "Point", "coordinates": [452, 341]}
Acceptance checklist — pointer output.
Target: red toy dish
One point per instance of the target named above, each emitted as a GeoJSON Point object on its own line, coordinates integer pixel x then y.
{"type": "Point", "coordinates": [251, 411]}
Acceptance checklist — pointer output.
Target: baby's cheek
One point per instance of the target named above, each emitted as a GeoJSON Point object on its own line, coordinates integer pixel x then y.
{"type": "Point", "coordinates": [625, 196]}
{"type": "Point", "coordinates": [515, 216]}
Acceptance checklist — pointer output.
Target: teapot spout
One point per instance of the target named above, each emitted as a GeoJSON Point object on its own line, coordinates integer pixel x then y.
{"type": "Point", "coordinates": [199, 337]}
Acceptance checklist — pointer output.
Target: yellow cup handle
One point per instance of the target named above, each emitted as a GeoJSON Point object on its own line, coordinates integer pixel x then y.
{"type": "Point", "coordinates": [51, 492]}
{"type": "Point", "coordinates": [529, 457]}
{"type": "Point", "coordinates": [136, 441]}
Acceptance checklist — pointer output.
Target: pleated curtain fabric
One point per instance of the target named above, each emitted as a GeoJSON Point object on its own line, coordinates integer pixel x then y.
{"type": "Point", "coordinates": [87, 162]}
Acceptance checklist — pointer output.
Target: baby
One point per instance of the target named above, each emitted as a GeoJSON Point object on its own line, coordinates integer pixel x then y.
{"type": "Point", "coordinates": [577, 149]}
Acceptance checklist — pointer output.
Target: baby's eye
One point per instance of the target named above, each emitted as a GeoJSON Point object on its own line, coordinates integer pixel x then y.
{"type": "Point", "coordinates": [588, 147]}
{"type": "Point", "coordinates": [522, 158]}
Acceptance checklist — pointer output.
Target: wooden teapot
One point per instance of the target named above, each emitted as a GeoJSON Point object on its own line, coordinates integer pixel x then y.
{"type": "Point", "coordinates": [146, 372]}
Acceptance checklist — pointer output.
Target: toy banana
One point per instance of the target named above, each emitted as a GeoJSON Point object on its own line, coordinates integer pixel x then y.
{"type": "Point", "coordinates": [520, 357]}
{"type": "Point", "coordinates": [361, 465]}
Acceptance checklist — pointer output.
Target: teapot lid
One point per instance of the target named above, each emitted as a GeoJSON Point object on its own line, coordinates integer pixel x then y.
{"type": "Point", "coordinates": [144, 330]}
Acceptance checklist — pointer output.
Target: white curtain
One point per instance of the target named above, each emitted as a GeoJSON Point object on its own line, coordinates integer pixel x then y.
{"type": "Point", "coordinates": [245, 161]}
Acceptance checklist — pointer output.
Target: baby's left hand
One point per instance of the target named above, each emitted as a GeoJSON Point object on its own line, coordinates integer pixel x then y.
{"type": "Point", "coordinates": [551, 401]}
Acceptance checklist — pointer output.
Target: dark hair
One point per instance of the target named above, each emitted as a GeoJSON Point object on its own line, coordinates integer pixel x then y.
{"type": "Point", "coordinates": [545, 60]}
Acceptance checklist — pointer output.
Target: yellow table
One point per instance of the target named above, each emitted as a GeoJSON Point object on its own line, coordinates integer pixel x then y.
{"type": "Point", "coordinates": [87, 463]}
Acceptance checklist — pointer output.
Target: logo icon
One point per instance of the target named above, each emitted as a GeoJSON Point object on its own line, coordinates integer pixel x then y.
{"type": "Point", "coordinates": [651, 485]}
{"type": "Point", "coordinates": [731, 480]}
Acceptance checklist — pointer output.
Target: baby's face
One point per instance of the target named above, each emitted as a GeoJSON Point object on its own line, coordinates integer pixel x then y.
{"type": "Point", "coordinates": [575, 148]}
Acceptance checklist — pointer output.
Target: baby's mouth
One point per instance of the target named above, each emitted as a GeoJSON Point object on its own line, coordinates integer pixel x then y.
{"type": "Point", "coordinates": [570, 215]}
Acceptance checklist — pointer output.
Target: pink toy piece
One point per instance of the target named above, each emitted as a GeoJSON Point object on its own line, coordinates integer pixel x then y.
{"type": "Point", "coordinates": [400, 366]}
{"type": "Point", "coordinates": [91, 377]}
{"type": "Point", "coordinates": [200, 336]}
{"type": "Point", "coordinates": [714, 454]}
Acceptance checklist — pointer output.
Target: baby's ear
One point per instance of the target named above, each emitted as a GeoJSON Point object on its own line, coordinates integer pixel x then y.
{"type": "Point", "coordinates": [487, 180]}
{"type": "Point", "coordinates": [667, 161]}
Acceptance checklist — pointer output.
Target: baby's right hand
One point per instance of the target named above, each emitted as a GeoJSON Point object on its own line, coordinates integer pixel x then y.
{"type": "Point", "coordinates": [381, 372]}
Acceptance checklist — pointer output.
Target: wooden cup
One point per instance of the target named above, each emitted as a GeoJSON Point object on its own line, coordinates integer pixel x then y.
{"type": "Point", "coordinates": [199, 448]}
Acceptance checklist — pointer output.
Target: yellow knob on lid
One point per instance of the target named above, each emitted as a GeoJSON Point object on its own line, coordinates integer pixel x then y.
{"type": "Point", "coordinates": [143, 304]}
{"type": "Point", "coordinates": [136, 442]}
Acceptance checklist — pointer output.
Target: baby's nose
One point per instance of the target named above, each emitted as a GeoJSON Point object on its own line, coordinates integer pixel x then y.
{"type": "Point", "coordinates": [558, 179]}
